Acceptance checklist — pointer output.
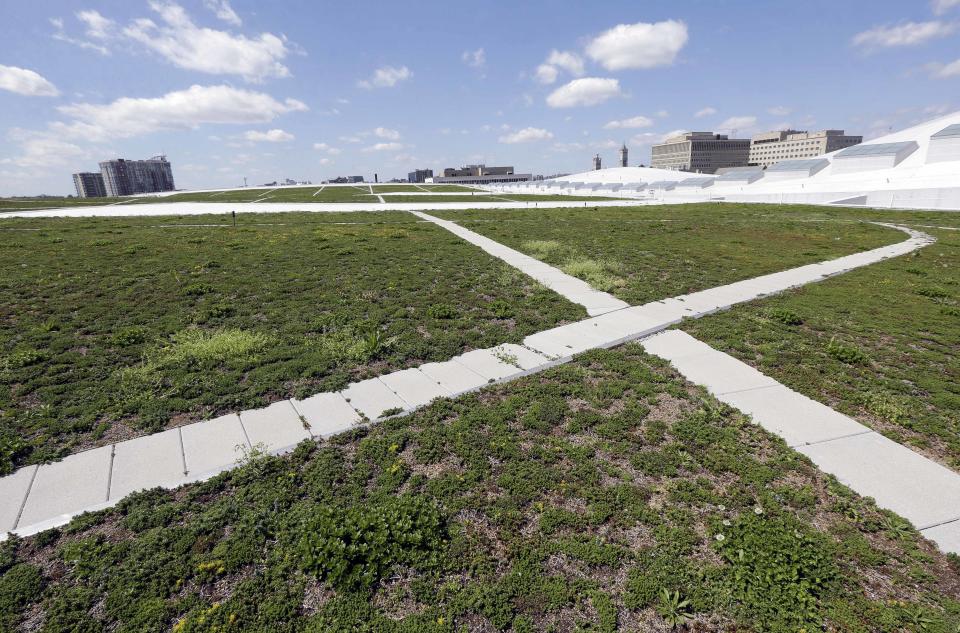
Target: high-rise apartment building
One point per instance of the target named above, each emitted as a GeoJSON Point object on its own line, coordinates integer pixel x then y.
{"type": "Point", "coordinates": [123, 177]}
{"type": "Point", "coordinates": [703, 152]}
{"type": "Point", "coordinates": [89, 184]}
{"type": "Point", "coordinates": [419, 175]}
{"type": "Point", "coordinates": [597, 164]}
{"type": "Point", "coordinates": [770, 148]}
{"type": "Point", "coordinates": [623, 155]}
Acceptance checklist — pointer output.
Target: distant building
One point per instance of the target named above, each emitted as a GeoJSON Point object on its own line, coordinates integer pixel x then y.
{"type": "Point", "coordinates": [339, 180]}
{"type": "Point", "coordinates": [772, 147]}
{"type": "Point", "coordinates": [703, 152]}
{"type": "Point", "coordinates": [89, 184]}
{"type": "Point", "coordinates": [623, 156]}
{"type": "Point", "coordinates": [596, 163]}
{"type": "Point", "coordinates": [419, 175]}
{"type": "Point", "coordinates": [479, 175]}
{"type": "Point", "coordinates": [123, 177]}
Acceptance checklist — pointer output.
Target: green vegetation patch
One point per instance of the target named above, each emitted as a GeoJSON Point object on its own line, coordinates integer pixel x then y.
{"type": "Point", "coordinates": [116, 327]}
{"type": "Point", "coordinates": [648, 253]}
{"type": "Point", "coordinates": [525, 507]}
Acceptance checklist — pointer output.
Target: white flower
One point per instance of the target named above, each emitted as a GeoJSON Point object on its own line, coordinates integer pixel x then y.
{"type": "Point", "coordinates": [758, 510]}
{"type": "Point", "coordinates": [726, 522]}
{"type": "Point", "coordinates": [719, 537]}
{"type": "Point", "coordinates": [721, 507]}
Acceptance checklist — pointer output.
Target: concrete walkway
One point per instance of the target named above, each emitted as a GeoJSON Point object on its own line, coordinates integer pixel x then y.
{"type": "Point", "coordinates": [39, 497]}
{"type": "Point", "coordinates": [576, 290]}
{"type": "Point", "coordinates": [918, 489]}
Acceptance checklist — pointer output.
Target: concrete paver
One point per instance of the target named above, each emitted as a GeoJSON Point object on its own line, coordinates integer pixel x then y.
{"type": "Point", "coordinates": [147, 462]}
{"type": "Point", "coordinates": [945, 535]}
{"type": "Point", "coordinates": [13, 492]}
{"type": "Point", "coordinates": [916, 488]}
{"type": "Point", "coordinates": [793, 416]}
{"type": "Point", "coordinates": [372, 397]}
{"type": "Point", "coordinates": [277, 428]}
{"type": "Point", "coordinates": [454, 377]}
{"type": "Point", "coordinates": [213, 445]}
{"type": "Point", "coordinates": [77, 483]}
{"type": "Point", "coordinates": [327, 414]}
{"type": "Point", "coordinates": [414, 387]}
{"type": "Point", "coordinates": [486, 363]}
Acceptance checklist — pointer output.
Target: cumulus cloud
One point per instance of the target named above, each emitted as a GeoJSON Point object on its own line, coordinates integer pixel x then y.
{"type": "Point", "coordinates": [323, 147]}
{"type": "Point", "coordinates": [98, 26]}
{"type": "Point", "coordinates": [633, 122]}
{"type": "Point", "coordinates": [223, 10]}
{"type": "Point", "coordinates": [548, 71]}
{"type": "Point", "coordinates": [738, 123]}
{"type": "Point", "coordinates": [387, 133]}
{"type": "Point", "coordinates": [905, 34]}
{"type": "Point", "coordinates": [942, 6]}
{"type": "Point", "coordinates": [587, 91]}
{"type": "Point", "coordinates": [26, 82]}
{"type": "Point", "coordinates": [386, 77]}
{"type": "Point", "coordinates": [384, 147]}
{"type": "Point", "coordinates": [39, 149]}
{"type": "Point", "coordinates": [474, 59]}
{"type": "Point", "coordinates": [526, 135]}
{"type": "Point", "coordinates": [708, 111]}
{"type": "Point", "coordinates": [178, 110]}
{"type": "Point", "coordinates": [640, 45]}
{"type": "Point", "coordinates": [275, 135]}
{"type": "Point", "coordinates": [184, 44]}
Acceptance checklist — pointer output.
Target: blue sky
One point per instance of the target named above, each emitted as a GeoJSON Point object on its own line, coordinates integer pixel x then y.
{"type": "Point", "coordinates": [310, 90]}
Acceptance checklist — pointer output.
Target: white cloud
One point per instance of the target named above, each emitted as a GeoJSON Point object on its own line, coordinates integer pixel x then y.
{"type": "Point", "coordinates": [548, 71]}
{"type": "Point", "coordinates": [61, 35]}
{"type": "Point", "coordinates": [323, 147]}
{"type": "Point", "coordinates": [474, 59]}
{"type": "Point", "coordinates": [942, 6]}
{"type": "Point", "coordinates": [738, 123]}
{"type": "Point", "coordinates": [386, 77]}
{"type": "Point", "coordinates": [387, 133]}
{"type": "Point", "coordinates": [587, 91]}
{"type": "Point", "coordinates": [275, 135]}
{"type": "Point", "coordinates": [779, 111]}
{"type": "Point", "coordinates": [633, 122]}
{"type": "Point", "coordinates": [708, 111]}
{"type": "Point", "coordinates": [944, 71]}
{"type": "Point", "coordinates": [662, 114]}
{"type": "Point", "coordinates": [98, 26]}
{"type": "Point", "coordinates": [26, 82]}
{"type": "Point", "coordinates": [546, 74]}
{"type": "Point", "coordinates": [183, 44]}
{"type": "Point", "coordinates": [42, 150]}
{"type": "Point", "coordinates": [178, 110]}
{"type": "Point", "coordinates": [526, 135]}
{"type": "Point", "coordinates": [325, 161]}
{"type": "Point", "coordinates": [639, 45]}
{"type": "Point", "coordinates": [905, 34]}
{"type": "Point", "coordinates": [223, 10]}
{"type": "Point", "coordinates": [384, 147]}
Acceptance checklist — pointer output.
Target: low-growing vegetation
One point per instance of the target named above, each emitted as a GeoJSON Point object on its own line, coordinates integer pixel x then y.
{"type": "Point", "coordinates": [602, 495]}
{"type": "Point", "coordinates": [643, 254]}
{"type": "Point", "coordinates": [115, 327]}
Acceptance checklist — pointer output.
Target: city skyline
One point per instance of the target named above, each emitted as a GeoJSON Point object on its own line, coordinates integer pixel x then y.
{"type": "Point", "coordinates": [228, 91]}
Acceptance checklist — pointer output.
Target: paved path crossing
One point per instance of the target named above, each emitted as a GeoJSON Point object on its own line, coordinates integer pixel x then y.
{"type": "Point", "coordinates": [38, 497]}
{"type": "Point", "coordinates": [576, 290]}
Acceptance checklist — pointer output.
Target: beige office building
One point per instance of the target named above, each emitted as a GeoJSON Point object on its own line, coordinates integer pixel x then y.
{"type": "Point", "coordinates": [702, 152]}
{"type": "Point", "coordinates": [772, 147]}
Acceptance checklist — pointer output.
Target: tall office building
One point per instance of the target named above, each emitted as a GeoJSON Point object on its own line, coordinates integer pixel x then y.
{"type": "Point", "coordinates": [770, 148]}
{"type": "Point", "coordinates": [623, 155]}
{"type": "Point", "coordinates": [89, 184]}
{"type": "Point", "coordinates": [419, 175]}
{"type": "Point", "coordinates": [703, 152]}
{"type": "Point", "coordinates": [123, 177]}
{"type": "Point", "coordinates": [596, 163]}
